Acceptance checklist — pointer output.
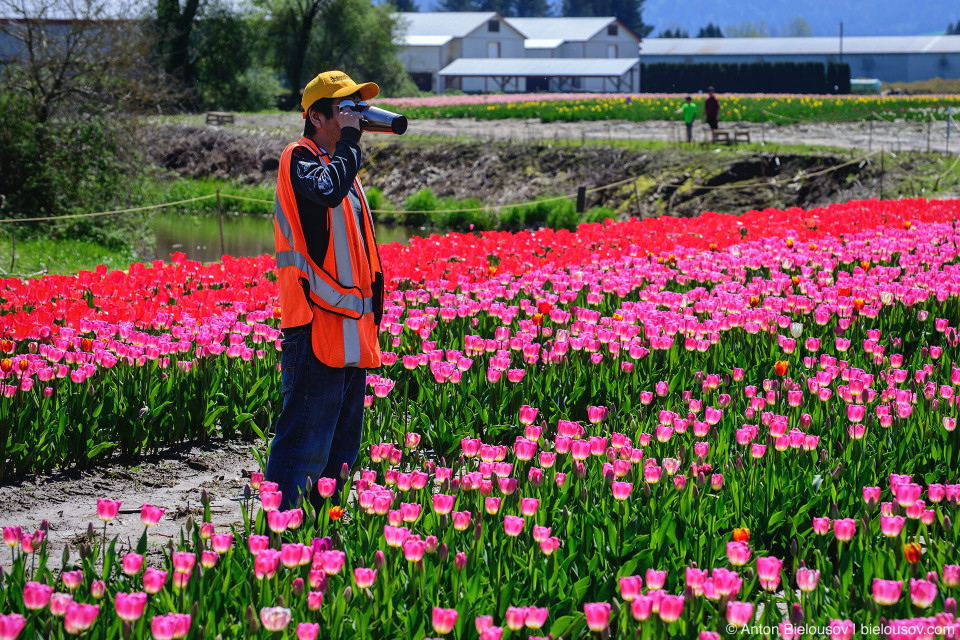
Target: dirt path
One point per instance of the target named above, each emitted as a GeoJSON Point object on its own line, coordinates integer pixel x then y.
{"type": "Point", "coordinates": [892, 136]}
{"type": "Point", "coordinates": [173, 480]}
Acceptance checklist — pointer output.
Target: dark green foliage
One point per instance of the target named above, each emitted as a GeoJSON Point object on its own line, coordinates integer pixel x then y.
{"type": "Point", "coordinates": [710, 31]}
{"type": "Point", "coordinates": [679, 32]}
{"type": "Point", "coordinates": [74, 164]}
{"type": "Point", "coordinates": [629, 12]}
{"type": "Point", "coordinates": [753, 77]}
{"type": "Point", "coordinates": [953, 29]}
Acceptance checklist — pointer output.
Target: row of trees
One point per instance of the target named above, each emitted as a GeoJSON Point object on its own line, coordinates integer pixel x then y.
{"type": "Point", "coordinates": [953, 29]}
{"type": "Point", "coordinates": [629, 12]}
{"type": "Point", "coordinates": [796, 28]}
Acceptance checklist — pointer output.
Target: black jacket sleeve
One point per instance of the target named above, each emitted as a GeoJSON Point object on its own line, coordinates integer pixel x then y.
{"type": "Point", "coordinates": [327, 185]}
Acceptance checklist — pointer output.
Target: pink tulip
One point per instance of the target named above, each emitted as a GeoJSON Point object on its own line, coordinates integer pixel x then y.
{"type": "Point", "coordinates": [738, 553]}
{"type": "Point", "coordinates": [483, 623]}
{"type": "Point", "coordinates": [841, 629]}
{"type": "Point", "coordinates": [265, 563]}
{"type": "Point", "coordinates": [529, 506]}
{"type": "Point", "coordinates": [221, 542]}
{"type": "Point", "coordinates": [72, 579]}
{"type": "Point", "coordinates": [845, 529]}
{"type": "Point", "coordinates": [630, 587]}
{"type": "Point", "coordinates": [768, 570]}
{"type": "Point", "coordinates": [512, 525]}
{"type": "Point", "coordinates": [270, 500]}
{"type": "Point", "coordinates": [922, 593]}
{"type": "Point", "coordinates": [821, 526]}
{"type": "Point", "coordinates": [153, 580]}
{"type": "Point", "coordinates": [80, 617]}
{"type": "Point", "coordinates": [59, 603]}
{"type": "Point", "coordinates": [168, 627]}
{"type": "Point", "coordinates": [738, 613]}
{"type": "Point", "coordinates": [527, 415]}
{"type": "Point", "coordinates": [36, 595]}
{"type": "Point", "coordinates": [907, 493]}
{"type": "Point", "coordinates": [621, 490]}
{"type": "Point", "coordinates": [655, 579]}
{"type": "Point", "coordinates": [130, 606]}
{"type": "Point", "coordinates": [107, 509]}
{"type": "Point", "coordinates": [11, 625]}
{"type": "Point", "coordinates": [516, 616]}
{"type": "Point", "coordinates": [536, 617]}
{"type": "Point", "coordinates": [443, 620]}
{"type": "Point", "coordinates": [807, 579]}
{"type": "Point", "coordinates": [951, 575]}
{"type": "Point", "coordinates": [887, 592]}
{"type": "Point", "coordinates": [132, 563]}
{"type": "Point", "coordinates": [257, 544]}
{"type": "Point", "coordinates": [275, 618]}
{"type": "Point", "coordinates": [150, 515]}
{"type": "Point", "coordinates": [255, 479]}
{"type": "Point", "coordinates": [333, 561]}
{"type": "Point", "coordinates": [596, 415]}
{"type": "Point", "coordinates": [12, 536]}
{"type": "Point", "coordinates": [314, 600]}
{"type": "Point", "coordinates": [183, 562]}
{"type": "Point", "coordinates": [364, 577]}
{"type": "Point", "coordinates": [641, 607]}
{"type": "Point", "coordinates": [208, 559]}
{"type": "Point", "coordinates": [671, 607]}
{"type": "Point", "coordinates": [443, 504]}
{"type": "Point", "coordinates": [308, 630]}
{"type": "Point", "coordinates": [598, 615]}
{"type": "Point", "coordinates": [871, 495]}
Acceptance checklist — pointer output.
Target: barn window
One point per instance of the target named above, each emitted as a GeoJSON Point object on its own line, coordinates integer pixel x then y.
{"type": "Point", "coordinates": [493, 26]}
{"type": "Point", "coordinates": [612, 30]}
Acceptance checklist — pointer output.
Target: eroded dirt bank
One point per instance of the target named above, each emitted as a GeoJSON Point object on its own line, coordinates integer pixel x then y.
{"type": "Point", "coordinates": [675, 181]}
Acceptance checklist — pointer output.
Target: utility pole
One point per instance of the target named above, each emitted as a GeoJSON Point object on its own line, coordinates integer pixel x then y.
{"type": "Point", "coordinates": [841, 42]}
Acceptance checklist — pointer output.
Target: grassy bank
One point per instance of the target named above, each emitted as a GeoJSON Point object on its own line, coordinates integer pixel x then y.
{"type": "Point", "coordinates": [39, 255]}
{"type": "Point", "coordinates": [733, 108]}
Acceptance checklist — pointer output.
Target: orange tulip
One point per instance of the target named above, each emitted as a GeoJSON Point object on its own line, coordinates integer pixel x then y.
{"type": "Point", "coordinates": [858, 304]}
{"type": "Point", "coordinates": [741, 535]}
{"type": "Point", "coordinates": [912, 552]}
{"type": "Point", "coordinates": [781, 367]}
{"type": "Point", "coordinates": [336, 513]}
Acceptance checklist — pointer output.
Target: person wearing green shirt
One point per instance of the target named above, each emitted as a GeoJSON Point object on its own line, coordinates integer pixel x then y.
{"type": "Point", "coordinates": [689, 111]}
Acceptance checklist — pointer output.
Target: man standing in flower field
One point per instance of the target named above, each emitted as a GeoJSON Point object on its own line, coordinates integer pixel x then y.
{"type": "Point", "coordinates": [711, 109]}
{"type": "Point", "coordinates": [331, 292]}
{"type": "Point", "coordinates": [689, 111]}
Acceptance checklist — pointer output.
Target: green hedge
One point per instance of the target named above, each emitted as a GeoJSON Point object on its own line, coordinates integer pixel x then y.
{"type": "Point", "coordinates": [748, 77]}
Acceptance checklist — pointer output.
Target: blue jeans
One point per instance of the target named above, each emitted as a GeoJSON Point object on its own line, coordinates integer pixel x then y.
{"type": "Point", "coordinates": [321, 424]}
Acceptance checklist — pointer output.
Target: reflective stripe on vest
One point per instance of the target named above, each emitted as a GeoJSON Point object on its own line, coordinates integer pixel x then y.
{"type": "Point", "coordinates": [341, 252]}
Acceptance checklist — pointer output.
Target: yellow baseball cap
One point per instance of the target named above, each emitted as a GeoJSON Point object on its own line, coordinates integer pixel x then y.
{"type": "Point", "coordinates": [335, 84]}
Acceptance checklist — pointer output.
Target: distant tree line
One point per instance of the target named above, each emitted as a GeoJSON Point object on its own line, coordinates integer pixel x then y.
{"type": "Point", "coordinates": [629, 12]}
{"type": "Point", "coordinates": [796, 28]}
{"type": "Point", "coordinates": [752, 77]}
{"type": "Point", "coordinates": [953, 29]}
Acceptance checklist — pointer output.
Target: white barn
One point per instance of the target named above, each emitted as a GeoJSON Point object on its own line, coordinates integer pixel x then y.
{"type": "Point", "coordinates": [887, 58]}
{"type": "Point", "coordinates": [476, 51]}
{"type": "Point", "coordinates": [434, 40]}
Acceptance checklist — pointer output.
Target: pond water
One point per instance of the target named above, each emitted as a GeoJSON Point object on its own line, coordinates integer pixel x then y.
{"type": "Point", "coordinates": [198, 235]}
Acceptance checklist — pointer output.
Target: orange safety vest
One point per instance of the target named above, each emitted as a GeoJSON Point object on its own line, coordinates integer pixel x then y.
{"type": "Point", "coordinates": [339, 293]}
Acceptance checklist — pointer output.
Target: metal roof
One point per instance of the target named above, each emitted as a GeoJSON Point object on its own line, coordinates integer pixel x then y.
{"type": "Point", "coordinates": [571, 29]}
{"type": "Point", "coordinates": [426, 41]}
{"type": "Point", "coordinates": [455, 24]}
{"type": "Point", "coordinates": [798, 46]}
{"type": "Point", "coordinates": [541, 67]}
{"type": "Point", "coordinates": [550, 43]}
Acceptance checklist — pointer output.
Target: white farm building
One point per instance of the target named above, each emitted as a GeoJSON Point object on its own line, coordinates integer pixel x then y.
{"type": "Point", "coordinates": [887, 58]}
{"type": "Point", "coordinates": [482, 51]}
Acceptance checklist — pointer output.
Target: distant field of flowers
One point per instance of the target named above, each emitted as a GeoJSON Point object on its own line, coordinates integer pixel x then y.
{"type": "Point", "coordinates": [783, 108]}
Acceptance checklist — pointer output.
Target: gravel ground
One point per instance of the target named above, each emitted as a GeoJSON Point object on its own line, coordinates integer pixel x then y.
{"type": "Point", "coordinates": [892, 136]}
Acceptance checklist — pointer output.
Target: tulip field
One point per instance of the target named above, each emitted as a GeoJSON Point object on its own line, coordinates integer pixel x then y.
{"type": "Point", "coordinates": [711, 427]}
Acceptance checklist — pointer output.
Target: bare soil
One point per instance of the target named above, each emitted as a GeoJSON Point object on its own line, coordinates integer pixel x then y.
{"type": "Point", "coordinates": [172, 480]}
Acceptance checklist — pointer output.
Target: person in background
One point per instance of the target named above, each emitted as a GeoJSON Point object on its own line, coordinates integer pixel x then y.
{"type": "Point", "coordinates": [712, 108]}
{"type": "Point", "coordinates": [689, 111]}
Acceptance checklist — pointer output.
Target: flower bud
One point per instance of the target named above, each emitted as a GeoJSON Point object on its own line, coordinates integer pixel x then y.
{"type": "Point", "coordinates": [950, 606]}
{"type": "Point", "coordinates": [345, 471]}
{"type": "Point", "coordinates": [442, 552]}
{"type": "Point", "coordinates": [378, 560]}
{"type": "Point", "coordinates": [460, 561]}
{"type": "Point", "coordinates": [297, 587]}
{"type": "Point", "coordinates": [796, 614]}
{"type": "Point", "coordinates": [348, 593]}
{"type": "Point", "coordinates": [253, 624]}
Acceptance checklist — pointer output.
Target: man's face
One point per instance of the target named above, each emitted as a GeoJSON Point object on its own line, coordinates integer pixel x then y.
{"type": "Point", "coordinates": [331, 126]}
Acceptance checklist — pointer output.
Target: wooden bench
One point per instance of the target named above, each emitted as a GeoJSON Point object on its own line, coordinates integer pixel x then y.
{"type": "Point", "coordinates": [720, 136]}
{"type": "Point", "coordinates": [739, 135]}
{"type": "Point", "coordinates": [219, 117]}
